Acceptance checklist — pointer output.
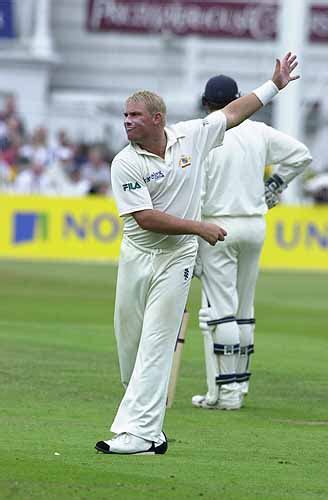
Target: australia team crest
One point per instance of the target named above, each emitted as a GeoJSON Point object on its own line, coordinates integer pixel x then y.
{"type": "Point", "coordinates": [185, 161]}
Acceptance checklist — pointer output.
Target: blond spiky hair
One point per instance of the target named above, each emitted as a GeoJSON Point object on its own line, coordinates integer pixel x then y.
{"type": "Point", "coordinates": [154, 103]}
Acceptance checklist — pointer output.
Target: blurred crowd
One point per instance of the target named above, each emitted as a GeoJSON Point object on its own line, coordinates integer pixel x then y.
{"type": "Point", "coordinates": [30, 164]}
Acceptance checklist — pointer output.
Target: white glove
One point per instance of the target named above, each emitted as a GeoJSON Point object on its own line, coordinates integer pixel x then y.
{"type": "Point", "coordinates": [198, 268]}
{"type": "Point", "coordinates": [273, 187]}
{"type": "Point", "coordinates": [204, 316]}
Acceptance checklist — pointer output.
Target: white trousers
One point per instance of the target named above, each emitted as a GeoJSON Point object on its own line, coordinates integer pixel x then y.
{"type": "Point", "coordinates": [229, 274]}
{"type": "Point", "coordinates": [151, 295]}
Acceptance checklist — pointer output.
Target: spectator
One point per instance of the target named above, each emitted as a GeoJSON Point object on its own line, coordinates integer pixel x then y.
{"type": "Point", "coordinates": [62, 143]}
{"type": "Point", "coordinates": [78, 186]}
{"type": "Point", "coordinates": [64, 177]}
{"type": "Point", "coordinates": [317, 188]}
{"type": "Point", "coordinates": [81, 151]}
{"type": "Point", "coordinates": [63, 140]}
{"type": "Point", "coordinates": [6, 175]}
{"type": "Point", "coordinates": [96, 170]}
{"type": "Point", "coordinates": [33, 180]}
{"type": "Point", "coordinates": [11, 142]}
{"type": "Point", "coordinates": [38, 148]}
{"type": "Point", "coordinates": [10, 111]}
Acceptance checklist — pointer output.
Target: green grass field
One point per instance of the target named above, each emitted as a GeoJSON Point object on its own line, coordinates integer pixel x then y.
{"type": "Point", "coordinates": [60, 388]}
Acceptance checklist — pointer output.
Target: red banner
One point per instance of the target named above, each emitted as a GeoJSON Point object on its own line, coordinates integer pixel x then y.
{"type": "Point", "coordinates": [249, 20]}
{"type": "Point", "coordinates": [319, 24]}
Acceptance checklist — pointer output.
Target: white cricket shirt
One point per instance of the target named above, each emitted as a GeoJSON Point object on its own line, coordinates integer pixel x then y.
{"type": "Point", "coordinates": [233, 174]}
{"type": "Point", "coordinates": [142, 180]}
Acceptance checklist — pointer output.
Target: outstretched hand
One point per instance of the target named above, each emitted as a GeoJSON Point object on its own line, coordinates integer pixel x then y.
{"type": "Point", "coordinates": [283, 71]}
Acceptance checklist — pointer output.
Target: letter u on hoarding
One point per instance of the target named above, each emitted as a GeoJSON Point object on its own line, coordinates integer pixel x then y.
{"type": "Point", "coordinates": [281, 237]}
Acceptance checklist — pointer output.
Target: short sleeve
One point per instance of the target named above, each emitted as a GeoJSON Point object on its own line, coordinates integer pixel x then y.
{"type": "Point", "coordinates": [129, 188]}
{"type": "Point", "coordinates": [212, 131]}
{"type": "Point", "coordinates": [207, 133]}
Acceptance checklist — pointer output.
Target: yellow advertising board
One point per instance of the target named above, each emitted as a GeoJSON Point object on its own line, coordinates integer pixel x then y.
{"type": "Point", "coordinates": [297, 238]}
{"type": "Point", "coordinates": [35, 227]}
{"type": "Point", "coordinates": [90, 228]}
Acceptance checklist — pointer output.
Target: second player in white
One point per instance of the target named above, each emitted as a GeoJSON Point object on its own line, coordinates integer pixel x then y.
{"type": "Point", "coordinates": [235, 197]}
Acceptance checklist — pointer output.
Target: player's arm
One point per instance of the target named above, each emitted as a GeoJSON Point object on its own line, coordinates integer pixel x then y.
{"type": "Point", "coordinates": [133, 198]}
{"type": "Point", "coordinates": [291, 157]}
{"type": "Point", "coordinates": [160, 222]}
{"type": "Point", "coordinates": [241, 109]}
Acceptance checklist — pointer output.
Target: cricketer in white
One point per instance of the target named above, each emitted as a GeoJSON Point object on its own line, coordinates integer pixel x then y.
{"type": "Point", "coordinates": [234, 196]}
{"type": "Point", "coordinates": [157, 186]}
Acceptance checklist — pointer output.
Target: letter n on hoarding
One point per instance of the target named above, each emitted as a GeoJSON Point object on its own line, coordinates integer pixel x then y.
{"type": "Point", "coordinates": [313, 234]}
{"type": "Point", "coordinates": [74, 227]}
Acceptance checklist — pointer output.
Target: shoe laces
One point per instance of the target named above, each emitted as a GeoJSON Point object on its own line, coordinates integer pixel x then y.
{"type": "Point", "coordinates": [123, 436]}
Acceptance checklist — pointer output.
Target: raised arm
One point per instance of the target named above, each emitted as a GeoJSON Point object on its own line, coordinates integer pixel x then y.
{"type": "Point", "coordinates": [244, 107]}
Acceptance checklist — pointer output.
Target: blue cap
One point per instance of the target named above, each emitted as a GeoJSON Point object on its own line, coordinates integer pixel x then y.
{"type": "Point", "coordinates": [221, 89]}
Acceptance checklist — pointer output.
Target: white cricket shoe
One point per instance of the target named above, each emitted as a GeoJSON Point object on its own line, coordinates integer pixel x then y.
{"type": "Point", "coordinates": [128, 444]}
{"type": "Point", "coordinates": [231, 401]}
{"type": "Point", "coordinates": [202, 401]}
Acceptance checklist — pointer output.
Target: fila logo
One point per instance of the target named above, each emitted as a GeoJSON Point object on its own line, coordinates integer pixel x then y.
{"type": "Point", "coordinates": [130, 186]}
{"type": "Point", "coordinates": [186, 274]}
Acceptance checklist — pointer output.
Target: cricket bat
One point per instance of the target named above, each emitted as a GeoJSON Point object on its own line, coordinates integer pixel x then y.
{"type": "Point", "coordinates": [177, 359]}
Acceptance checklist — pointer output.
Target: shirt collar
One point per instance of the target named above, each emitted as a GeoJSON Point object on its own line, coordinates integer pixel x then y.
{"type": "Point", "coordinates": [172, 137]}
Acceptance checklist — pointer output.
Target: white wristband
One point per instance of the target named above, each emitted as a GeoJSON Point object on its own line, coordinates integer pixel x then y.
{"type": "Point", "coordinates": [266, 92]}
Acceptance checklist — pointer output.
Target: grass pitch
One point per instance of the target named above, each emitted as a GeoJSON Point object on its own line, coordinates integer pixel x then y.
{"type": "Point", "coordinates": [60, 388]}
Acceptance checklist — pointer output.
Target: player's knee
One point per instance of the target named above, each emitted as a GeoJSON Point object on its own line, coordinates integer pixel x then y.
{"type": "Point", "coordinates": [226, 332]}
{"type": "Point", "coordinates": [246, 330]}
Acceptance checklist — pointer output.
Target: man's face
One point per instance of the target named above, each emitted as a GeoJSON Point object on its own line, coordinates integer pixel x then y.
{"type": "Point", "coordinates": [37, 168]}
{"type": "Point", "coordinates": [138, 122]}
